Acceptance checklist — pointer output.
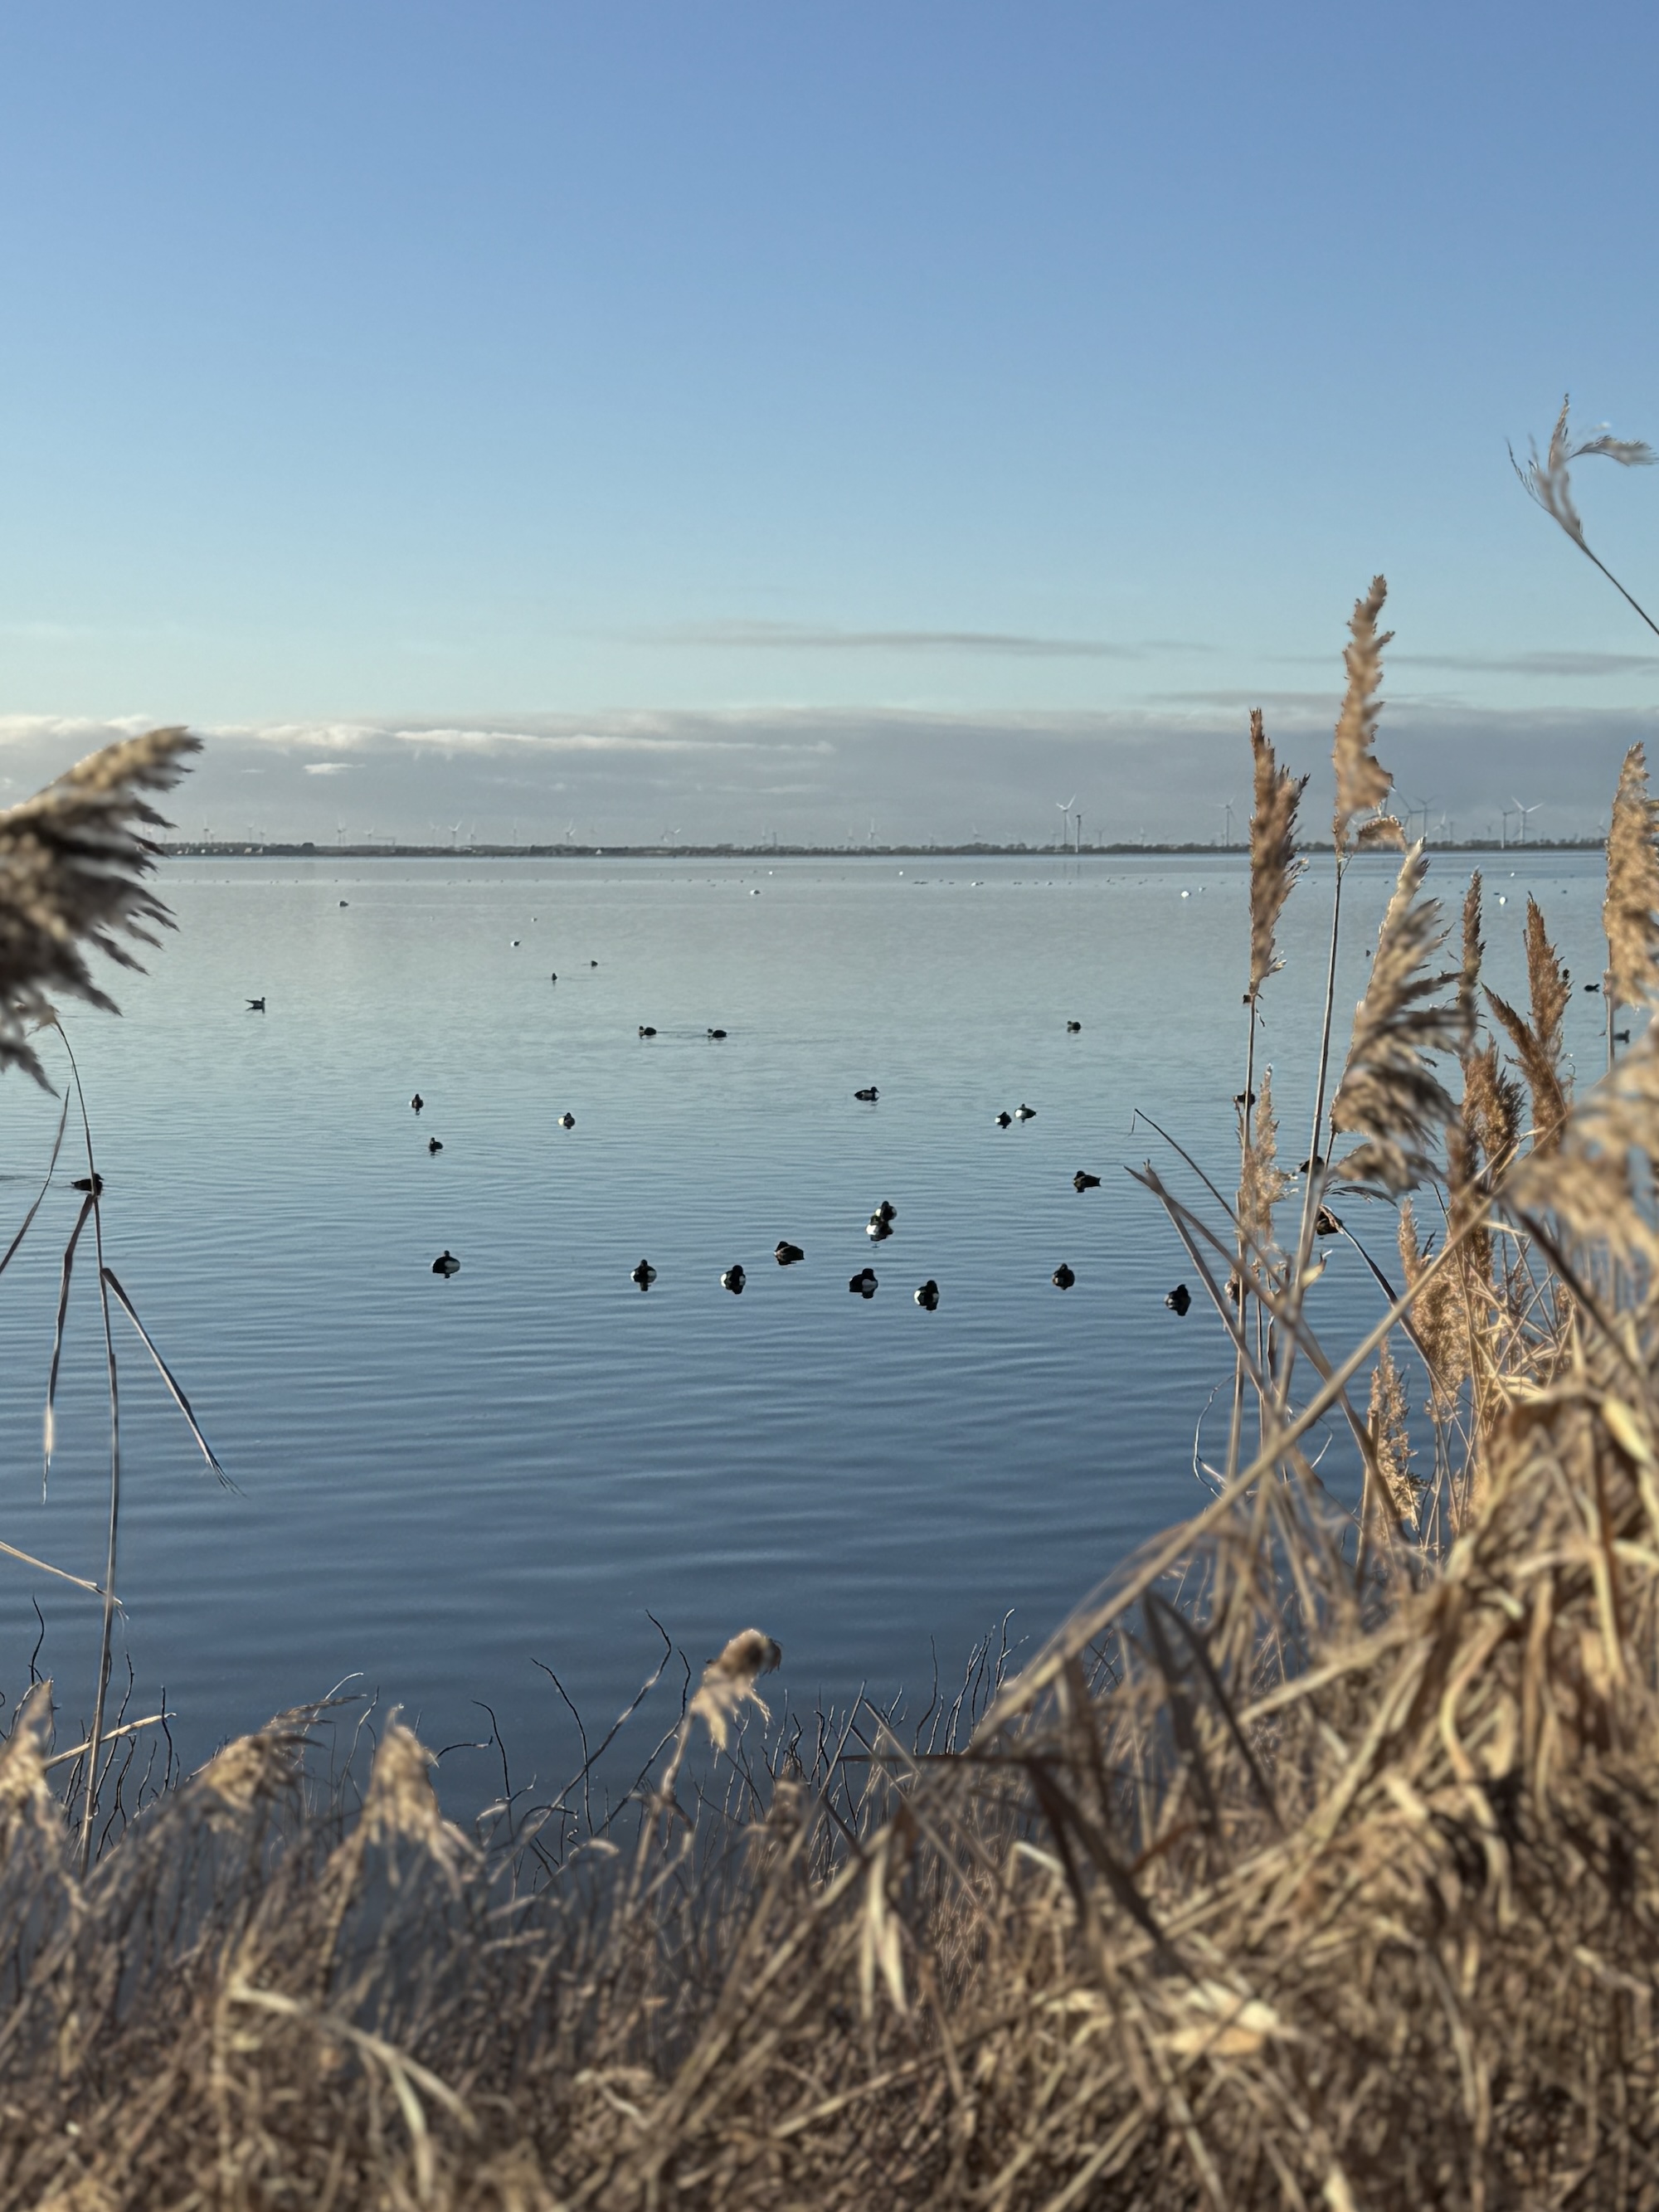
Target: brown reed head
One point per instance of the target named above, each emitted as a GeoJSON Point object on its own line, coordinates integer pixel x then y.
{"type": "Point", "coordinates": [1362, 782]}
{"type": "Point", "coordinates": [1274, 866]}
{"type": "Point", "coordinates": [1538, 1043]}
{"type": "Point", "coordinates": [1630, 914]}
{"type": "Point", "coordinates": [1549, 480]}
{"type": "Point", "coordinates": [1389, 1097]}
{"type": "Point", "coordinates": [728, 1682]}
{"type": "Point", "coordinates": [75, 861]}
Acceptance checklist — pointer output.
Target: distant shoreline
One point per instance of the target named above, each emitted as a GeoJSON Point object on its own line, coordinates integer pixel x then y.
{"type": "Point", "coordinates": [201, 850]}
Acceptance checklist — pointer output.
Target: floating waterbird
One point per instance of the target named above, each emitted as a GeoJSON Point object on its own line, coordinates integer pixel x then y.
{"type": "Point", "coordinates": [864, 1283]}
{"type": "Point", "coordinates": [927, 1296]}
{"type": "Point", "coordinates": [646, 1030]}
{"type": "Point", "coordinates": [446, 1264]}
{"type": "Point", "coordinates": [1083, 1181]}
{"type": "Point", "coordinates": [1003, 1121]}
{"type": "Point", "coordinates": [717, 1033]}
{"type": "Point", "coordinates": [516, 942]}
{"type": "Point", "coordinates": [869, 1095]}
{"type": "Point", "coordinates": [1592, 986]}
{"type": "Point", "coordinates": [256, 1006]}
{"type": "Point", "coordinates": [433, 1145]}
{"type": "Point", "coordinates": [885, 1211]}
{"type": "Point", "coordinates": [1063, 1279]}
{"type": "Point", "coordinates": [566, 1121]}
{"type": "Point", "coordinates": [734, 1278]}
{"type": "Point", "coordinates": [1312, 1166]}
{"type": "Point", "coordinates": [553, 979]}
{"type": "Point", "coordinates": [346, 901]}
{"type": "Point", "coordinates": [1245, 1098]}
{"type": "Point", "coordinates": [1621, 1036]}
{"type": "Point", "coordinates": [1179, 1299]}
{"type": "Point", "coordinates": [1073, 1028]}
{"type": "Point", "coordinates": [92, 1184]}
{"type": "Point", "coordinates": [1326, 1224]}
{"type": "Point", "coordinates": [877, 1230]}
{"type": "Point", "coordinates": [417, 1101]}
{"type": "Point", "coordinates": [593, 963]}
{"type": "Point", "coordinates": [786, 1254]}
{"type": "Point", "coordinates": [645, 1274]}
{"type": "Point", "coordinates": [1025, 1113]}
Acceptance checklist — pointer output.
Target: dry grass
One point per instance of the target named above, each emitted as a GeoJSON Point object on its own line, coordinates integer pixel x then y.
{"type": "Point", "coordinates": [1315, 1863]}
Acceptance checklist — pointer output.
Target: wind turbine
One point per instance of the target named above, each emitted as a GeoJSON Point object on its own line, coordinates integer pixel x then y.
{"type": "Point", "coordinates": [1077, 829]}
{"type": "Point", "coordinates": [1503, 829]}
{"type": "Point", "coordinates": [1065, 806]}
{"type": "Point", "coordinates": [1226, 806]}
{"type": "Point", "coordinates": [1526, 814]}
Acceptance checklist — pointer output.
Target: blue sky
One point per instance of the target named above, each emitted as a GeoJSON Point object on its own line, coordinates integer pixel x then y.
{"type": "Point", "coordinates": [741, 416]}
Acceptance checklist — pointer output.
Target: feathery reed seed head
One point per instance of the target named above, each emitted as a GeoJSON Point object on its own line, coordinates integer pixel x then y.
{"type": "Point", "coordinates": [1389, 1096]}
{"type": "Point", "coordinates": [1630, 915]}
{"type": "Point", "coordinates": [1549, 481]}
{"type": "Point", "coordinates": [1275, 866]}
{"type": "Point", "coordinates": [73, 864]}
{"type": "Point", "coordinates": [728, 1682]}
{"type": "Point", "coordinates": [1362, 782]}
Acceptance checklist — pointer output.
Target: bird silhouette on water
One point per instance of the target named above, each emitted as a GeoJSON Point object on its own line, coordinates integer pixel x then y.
{"type": "Point", "coordinates": [646, 1030]}
{"type": "Point", "coordinates": [1179, 1299]}
{"type": "Point", "coordinates": [256, 1006]}
{"type": "Point", "coordinates": [446, 1264]}
{"type": "Point", "coordinates": [91, 1184]}
{"type": "Point", "coordinates": [869, 1095]}
{"type": "Point", "coordinates": [864, 1283]}
{"type": "Point", "coordinates": [1004, 1121]}
{"type": "Point", "coordinates": [434, 1144]}
{"type": "Point", "coordinates": [786, 1254]}
{"type": "Point", "coordinates": [1073, 1028]}
{"type": "Point", "coordinates": [927, 1296]}
{"type": "Point", "coordinates": [880, 1225]}
{"type": "Point", "coordinates": [1025, 1113]}
{"type": "Point", "coordinates": [1083, 1181]}
{"type": "Point", "coordinates": [1063, 1279]}
{"type": "Point", "coordinates": [566, 1121]}
{"type": "Point", "coordinates": [734, 1278]}
{"type": "Point", "coordinates": [645, 1274]}
{"type": "Point", "coordinates": [718, 1034]}
{"type": "Point", "coordinates": [417, 1101]}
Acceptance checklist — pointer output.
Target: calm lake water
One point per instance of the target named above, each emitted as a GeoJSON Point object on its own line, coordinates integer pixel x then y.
{"type": "Point", "coordinates": [439, 1481]}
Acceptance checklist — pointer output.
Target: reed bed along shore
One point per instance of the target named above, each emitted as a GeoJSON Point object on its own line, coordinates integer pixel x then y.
{"type": "Point", "coordinates": [1315, 1863]}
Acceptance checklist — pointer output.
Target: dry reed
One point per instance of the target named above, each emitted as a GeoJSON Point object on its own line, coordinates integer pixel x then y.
{"type": "Point", "coordinates": [1315, 1862]}
{"type": "Point", "coordinates": [73, 868]}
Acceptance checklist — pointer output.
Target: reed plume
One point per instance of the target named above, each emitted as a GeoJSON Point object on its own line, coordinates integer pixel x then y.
{"type": "Point", "coordinates": [1630, 914]}
{"type": "Point", "coordinates": [1549, 483]}
{"type": "Point", "coordinates": [1538, 1043]}
{"type": "Point", "coordinates": [1275, 866]}
{"type": "Point", "coordinates": [1262, 1183]}
{"type": "Point", "coordinates": [1439, 1313]}
{"type": "Point", "coordinates": [728, 1682]}
{"type": "Point", "coordinates": [1390, 1434]}
{"type": "Point", "coordinates": [74, 861]}
{"type": "Point", "coordinates": [1598, 1181]}
{"type": "Point", "coordinates": [1475, 954]}
{"type": "Point", "coordinates": [1389, 1097]}
{"type": "Point", "coordinates": [1362, 782]}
